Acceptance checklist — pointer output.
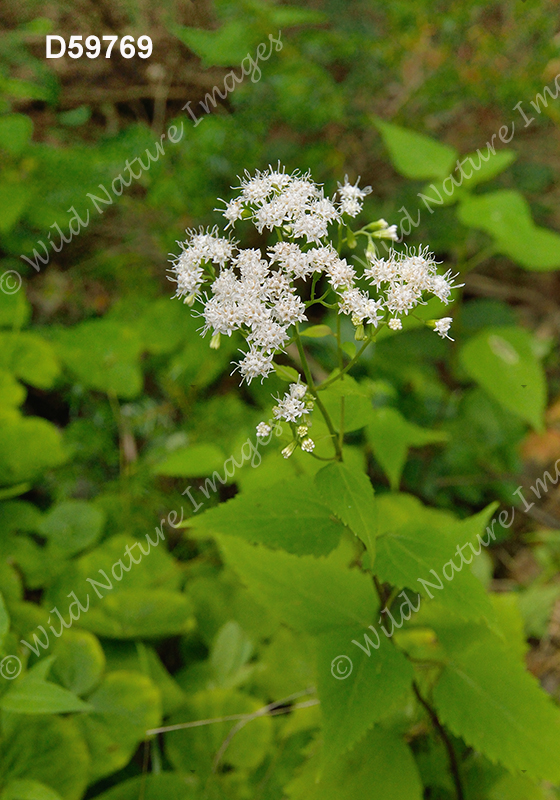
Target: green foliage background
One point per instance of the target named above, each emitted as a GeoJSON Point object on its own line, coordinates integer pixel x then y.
{"type": "Point", "coordinates": [111, 406]}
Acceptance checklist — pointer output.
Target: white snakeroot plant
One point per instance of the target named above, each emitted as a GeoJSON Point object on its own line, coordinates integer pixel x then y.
{"type": "Point", "coordinates": [265, 296]}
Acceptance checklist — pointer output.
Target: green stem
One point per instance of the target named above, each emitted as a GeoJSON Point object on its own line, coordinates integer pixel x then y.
{"type": "Point", "coordinates": [453, 763]}
{"type": "Point", "coordinates": [313, 390]}
{"type": "Point", "coordinates": [348, 366]}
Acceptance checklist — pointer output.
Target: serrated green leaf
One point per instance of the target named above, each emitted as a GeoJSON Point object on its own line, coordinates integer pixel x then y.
{"type": "Point", "coordinates": [366, 688]}
{"type": "Point", "coordinates": [349, 494]}
{"type": "Point", "coordinates": [289, 515]}
{"type": "Point", "coordinates": [311, 595]}
{"type": "Point", "coordinates": [496, 706]}
{"type": "Point", "coordinates": [415, 155]}
{"type": "Point", "coordinates": [422, 546]}
{"type": "Point", "coordinates": [391, 436]}
{"type": "Point", "coordinates": [503, 361]}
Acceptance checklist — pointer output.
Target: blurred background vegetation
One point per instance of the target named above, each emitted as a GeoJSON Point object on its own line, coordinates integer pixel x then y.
{"type": "Point", "coordinates": [110, 402]}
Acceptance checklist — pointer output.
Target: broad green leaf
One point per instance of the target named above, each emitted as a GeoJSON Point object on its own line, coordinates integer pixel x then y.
{"type": "Point", "coordinates": [311, 595]}
{"type": "Point", "coordinates": [231, 651]}
{"type": "Point", "coordinates": [196, 748]}
{"type": "Point", "coordinates": [391, 435]}
{"type": "Point", "coordinates": [415, 155]}
{"type": "Point", "coordinates": [48, 750]}
{"type": "Point", "coordinates": [381, 767]}
{"type": "Point", "coordinates": [152, 786]}
{"type": "Point", "coordinates": [518, 787]}
{"type": "Point", "coordinates": [225, 47]}
{"type": "Point", "coordinates": [165, 325]}
{"type": "Point", "coordinates": [126, 599]}
{"type": "Point", "coordinates": [496, 706]}
{"type": "Point", "coordinates": [32, 694]}
{"type": "Point", "coordinates": [79, 662]}
{"type": "Point", "coordinates": [126, 705]}
{"type": "Point", "coordinates": [450, 192]}
{"type": "Point", "coordinates": [289, 515]}
{"type": "Point", "coordinates": [19, 515]}
{"type": "Point", "coordinates": [72, 526]}
{"type": "Point", "coordinates": [22, 789]}
{"type": "Point", "coordinates": [349, 495]}
{"type": "Point", "coordinates": [30, 358]}
{"type": "Point", "coordinates": [288, 374]}
{"type": "Point", "coordinates": [14, 199]}
{"type": "Point", "coordinates": [317, 331]}
{"type": "Point", "coordinates": [28, 445]}
{"type": "Point", "coordinates": [12, 393]}
{"type": "Point", "coordinates": [287, 664]}
{"type": "Point", "coordinates": [357, 688]}
{"type": "Point", "coordinates": [420, 552]}
{"type": "Point", "coordinates": [138, 657]}
{"type": "Point", "coordinates": [103, 355]}
{"type": "Point", "coordinates": [506, 216]}
{"type": "Point", "coordinates": [192, 462]}
{"type": "Point", "coordinates": [15, 309]}
{"type": "Point", "coordinates": [503, 361]}
{"type": "Point", "coordinates": [140, 613]}
{"type": "Point", "coordinates": [15, 133]}
{"type": "Point", "coordinates": [347, 403]}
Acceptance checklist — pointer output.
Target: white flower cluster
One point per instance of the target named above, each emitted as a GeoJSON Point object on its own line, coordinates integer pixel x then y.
{"type": "Point", "coordinates": [402, 279]}
{"type": "Point", "coordinates": [293, 405]}
{"type": "Point", "coordinates": [296, 404]}
{"type": "Point", "coordinates": [255, 294]}
{"type": "Point", "coordinates": [293, 203]}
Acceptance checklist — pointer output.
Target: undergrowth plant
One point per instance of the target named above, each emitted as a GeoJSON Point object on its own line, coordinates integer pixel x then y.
{"type": "Point", "coordinates": [420, 674]}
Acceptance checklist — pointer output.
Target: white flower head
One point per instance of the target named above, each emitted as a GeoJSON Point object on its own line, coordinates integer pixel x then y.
{"type": "Point", "coordinates": [255, 365]}
{"type": "Point", "coordinates": [442, 327]}
{"type": "Point", "coordinates": [351, 197]}
{"type": "Point", "coordinates": [263, 429]}
{"type": "Point", "coordinates": [308, 445]}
